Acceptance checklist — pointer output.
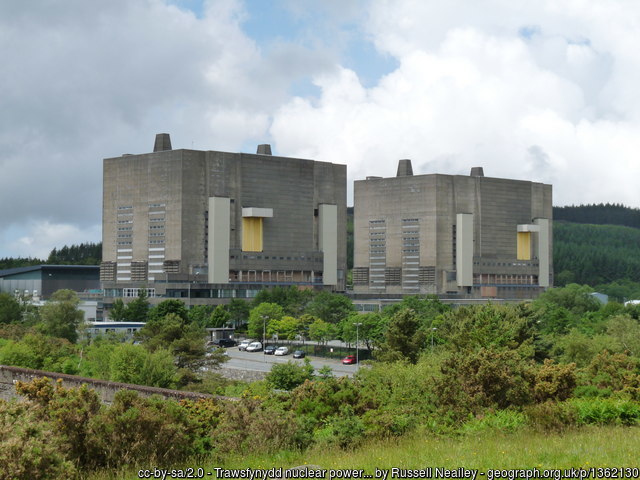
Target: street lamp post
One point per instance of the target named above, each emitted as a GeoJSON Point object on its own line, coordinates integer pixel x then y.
{"type": "Point", "coordinates": [433, 329]}
{"type": "Point", "coordinates": [264, 336]}
{"type": "Point", "coordinates": [357, 351]}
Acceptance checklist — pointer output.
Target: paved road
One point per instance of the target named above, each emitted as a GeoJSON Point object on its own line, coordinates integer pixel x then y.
{"type": "Point", "coordinates": [262, 363]}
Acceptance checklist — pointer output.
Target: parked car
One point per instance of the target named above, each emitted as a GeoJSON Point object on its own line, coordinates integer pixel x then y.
{"type": "Point", "coordinates": [254, 347]}
{"type": "Point", "coordinates": [245, 343]}
{"type": "Point", "coordinates": [270, 350]}
{"type": "Point", "coordinates": [282, 351]}
{"type": "Point", "coordinates": [223, 342]}
{"type": "Point", "coordinates": [298, 354]}
{"type": "Point", "coordinates": [349, 360]}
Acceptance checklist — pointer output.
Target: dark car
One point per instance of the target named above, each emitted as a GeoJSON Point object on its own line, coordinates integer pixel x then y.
{"type": "Point", "coordinates": [349, 360]}
{"type": "Point", "coordinates": [298, 354]}
{"type": "Point", "coordinates": [269, 349]}
{"type": "Point", "coordinates": [223, 342]}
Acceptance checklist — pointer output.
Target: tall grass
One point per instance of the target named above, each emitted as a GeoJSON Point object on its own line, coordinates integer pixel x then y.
{"type": "Point", "coordinates": [590, 446]}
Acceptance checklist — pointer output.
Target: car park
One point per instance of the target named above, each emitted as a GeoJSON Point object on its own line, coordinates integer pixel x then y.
{"type": "Point", "coordinates": [254, 347]}
{"type": "Point", "coordinates": [245, 343]}
{"type": "Point", "coordinates": [270, 350]}
{"type": "Point", "coordinates": [298, 354]}
{"type": "Point", "coordinates": [282, 351]}
{"type": "Point", "coordinates": [349, 360]}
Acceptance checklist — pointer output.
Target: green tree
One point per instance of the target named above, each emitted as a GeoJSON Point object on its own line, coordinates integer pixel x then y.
{"type": "Point", "coordinates": [10, 311]}
{"type": "Point", "coordinates": [321, 331]}
{"type": "Point", "coordinates": [61, 316]}
{"type": "Point", "coordinates": [118, 311]}
{"type": "Point", "coordinates": [138, 309]}
{"type": "Point", "coordinates": [239, 311]}
{"type": "Point", "coordinates": [330, 307]}
{"type": "Point", "coordinates": [200, 314]}
{"type": "Point", "coordinates": [575, 298]}
{"type": "Point", "coordinates": [288, 328]}
{"type": "Point", "coordinates": [370, 331]}
{"type": "Point", "coordinates": [219, 317]}
{"type": "Point", "coordinates": [403, 339]}
{"type": "Point", "coordinates": [261, 317]}
{"type": "Point", "coordinates": [293, 300]}
{"type": "Point", "coordinates": [170, 306]}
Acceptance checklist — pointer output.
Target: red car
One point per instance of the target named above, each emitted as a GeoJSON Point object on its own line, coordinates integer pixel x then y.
{"type": "Point", "coordinates": [349, 360]}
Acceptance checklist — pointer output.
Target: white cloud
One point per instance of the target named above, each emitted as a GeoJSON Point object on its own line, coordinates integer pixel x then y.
{"type": "Point", "coordinates": [87, 80]}
{"type": "Point", "coordinates": [544, 90]}
{"type": "Point", "coordinates": [526, 89]}
{"type": "Point", "coordinates": [41, 237]}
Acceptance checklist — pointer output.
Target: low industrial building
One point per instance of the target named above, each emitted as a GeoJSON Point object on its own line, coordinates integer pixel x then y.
{"type": "Point", "coordinates": [456, 236]}
{"type": "Point", "coordinates": [40, 281]}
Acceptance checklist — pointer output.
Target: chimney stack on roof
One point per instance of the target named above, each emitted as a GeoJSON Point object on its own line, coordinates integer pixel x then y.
{"type": "Point", "coordinates": [404, 168]}
{"type": "Point", "coordinates": [477, 172]}
{"type": "Point", "coordinates": [264, 149]}
{"type": "Point", "coordinates": [163, 142]}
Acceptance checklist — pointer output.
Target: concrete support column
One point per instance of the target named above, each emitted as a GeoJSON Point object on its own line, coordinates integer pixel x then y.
{"type": "Point", "coordinates": [219, 239]}
{"type": "Point", "coordinates": [464, 249]}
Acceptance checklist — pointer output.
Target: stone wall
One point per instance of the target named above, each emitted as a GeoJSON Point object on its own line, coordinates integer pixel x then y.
{"type": "Point", "coordinates": [106, 390]}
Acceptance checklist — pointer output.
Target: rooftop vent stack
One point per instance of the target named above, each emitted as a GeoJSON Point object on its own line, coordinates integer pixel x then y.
{"type": "Point", "coordinates": [163, 142]}
{"type": "Point", "coordinates": [404, 168]}
{"type": "Point", "coordinates": [477, 172]}
{"type": "Point", "coordinates": [264, 149]}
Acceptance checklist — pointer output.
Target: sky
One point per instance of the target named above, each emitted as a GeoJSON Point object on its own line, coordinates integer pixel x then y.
{"type": "Point", "coordinates": [544, 91]}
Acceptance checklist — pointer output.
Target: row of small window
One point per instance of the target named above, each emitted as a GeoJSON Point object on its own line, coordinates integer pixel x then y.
{"type": "Point", "coordinates": [410, 220]}
{"type": "Point", "coordinates": [151, 242]}
{"type": "Point", "coordinates": [129, 235]}
{"type": "Point", "coordinates": [267, 257]}
{"type": "Point", "coordinates": [130, 207]}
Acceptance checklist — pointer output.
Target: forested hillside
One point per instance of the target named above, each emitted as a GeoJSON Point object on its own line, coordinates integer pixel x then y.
{"type": "Point", "coordinates": [595, 254]}
{"type": "Point", "coordinates": [83, 254]}
{"type": "Point", "coordinates": [601, 214]}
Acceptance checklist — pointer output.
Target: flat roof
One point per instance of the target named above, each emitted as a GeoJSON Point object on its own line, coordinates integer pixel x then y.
{"type": "Point", "coordinates": [14, 271]}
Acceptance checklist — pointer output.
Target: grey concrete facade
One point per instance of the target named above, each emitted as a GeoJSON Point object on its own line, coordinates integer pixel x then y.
{"type": "Point", "coordinates": [467, 236]}
{"type": "Point", "coordinates": [211, 217]}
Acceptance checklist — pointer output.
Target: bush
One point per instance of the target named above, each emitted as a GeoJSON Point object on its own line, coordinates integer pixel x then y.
{"type": "Point", "coordinates": [474, 381]}
{"type": "Point", "coordinates": [617, 373]}
{"type": "Point", "coordinates": [319, 400]}
{"type": "Point", "coordinates": [554, 382]}
{"type": "Point", "coordinates": [30, 447]}
{"type": "Point", "coordinates": [250, 426]}
{"type": "Point", "coordinates": [345, 429]}
{"type": "Point", "coordinates": [136, 429]}
{"type": "Point", "coordinates": [551, 416]}
{"type": "Point", "coordinates": [287, 376]}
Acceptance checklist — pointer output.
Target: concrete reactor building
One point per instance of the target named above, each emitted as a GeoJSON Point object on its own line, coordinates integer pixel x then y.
{"type": "Point", "coordinates": [452, 235]}
{"type": "Point", "coordinates": [209, 224]}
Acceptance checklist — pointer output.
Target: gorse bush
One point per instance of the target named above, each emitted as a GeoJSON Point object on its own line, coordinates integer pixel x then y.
{"type": "Point", "coordinates": [30, 447]}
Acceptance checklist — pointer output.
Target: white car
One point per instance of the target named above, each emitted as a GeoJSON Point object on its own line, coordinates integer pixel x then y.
{"type": "Point", "coordinates": [282, 351]}
{"type": "Point", "coordinates": [254, 347]}
{"type": "Point", "coordinates": [244, 344]}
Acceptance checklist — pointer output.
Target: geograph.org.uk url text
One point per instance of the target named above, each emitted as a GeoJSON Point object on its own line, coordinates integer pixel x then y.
{"type": "Point", "coordinates": [394, 473]}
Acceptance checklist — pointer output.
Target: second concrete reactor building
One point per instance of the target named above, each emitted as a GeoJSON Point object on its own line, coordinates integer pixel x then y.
{"type": "Point", "coordinates": [452, 235]}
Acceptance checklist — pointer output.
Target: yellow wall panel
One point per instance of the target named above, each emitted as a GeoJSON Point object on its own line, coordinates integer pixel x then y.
{"type": "Point", "coordinates": [252, 234]}
{"type": "Point", "coordinates": [524, 245]}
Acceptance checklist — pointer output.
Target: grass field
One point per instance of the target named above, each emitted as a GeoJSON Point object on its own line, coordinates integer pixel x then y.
{"type": "Point", "coordinates": [585, 447]}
